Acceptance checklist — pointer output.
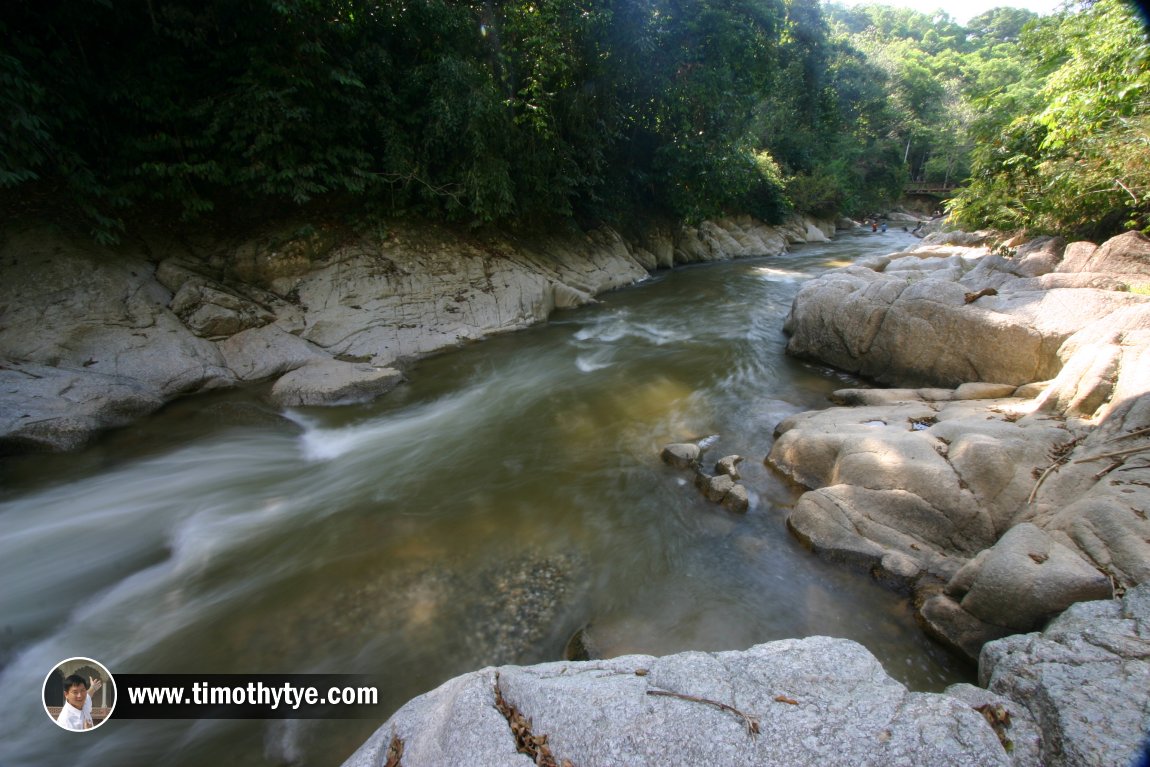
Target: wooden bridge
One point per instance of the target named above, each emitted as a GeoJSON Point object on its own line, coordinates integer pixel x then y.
{"type": "Point", "coordinates": [929, 188]}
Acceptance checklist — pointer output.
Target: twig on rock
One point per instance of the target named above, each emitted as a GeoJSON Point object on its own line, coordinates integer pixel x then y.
{"type": "Point", "coordinates": [1108, 469]}
{"type": "Point", "coordinates": [1062, 455]}
{"type": "Point", "coordinates": [1114, 454]}
{"type": "Point", "coordinates": [394, 751]}
{"type": "Point", "coordinates": [751, 722]}
{"type": "Point", "coordinates": [970, 298]}
{"type": "Point", "coordinates": [1135, 433]}
{"type": "Point", "coordinates": [1051, 468]}
{"type": "Point", "coordinates": [526, 742]}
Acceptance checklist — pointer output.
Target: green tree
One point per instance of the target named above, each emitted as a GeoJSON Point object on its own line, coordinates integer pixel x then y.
{"type": "Point", "coordinates": [480, 111]}
{"type": "Point", "coordinates": [1073, 157]}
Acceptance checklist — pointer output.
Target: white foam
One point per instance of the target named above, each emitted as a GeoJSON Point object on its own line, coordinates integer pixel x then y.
{"type": "Point", "coordinates": [589, 363]}
{"type": "Point", "coordinates": [774, 273]}
{"type": "Point", "coordinates": [326, 444]}
{"type": "Point", "coordinates": [617, 329]}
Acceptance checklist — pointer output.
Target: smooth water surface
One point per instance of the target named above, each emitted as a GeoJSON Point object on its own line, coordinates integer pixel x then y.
{"type": "Point", "coordinates": [508, 495]}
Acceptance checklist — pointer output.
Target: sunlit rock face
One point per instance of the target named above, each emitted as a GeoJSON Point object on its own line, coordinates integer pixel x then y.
{"type": "Point", "coordinates": [998, 513]}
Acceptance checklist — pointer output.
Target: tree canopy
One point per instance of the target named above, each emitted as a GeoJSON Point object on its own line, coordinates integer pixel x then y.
{"type": "Point", "coordinates": [512, 111]}
{"type": "Point", "coordinates": [1065, 146]}
{"type": "Point", "coordinates": [477, 111]}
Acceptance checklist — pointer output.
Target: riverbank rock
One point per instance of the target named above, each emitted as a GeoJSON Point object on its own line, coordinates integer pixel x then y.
{"type": "Point", "coordinates": [53, 408]}
{"type": "Point", "coordinates": [998, 513]}
{"type": "Point", "coordinates": [125, 330]}
{"type": "Point", "coordinates": [935, 481]}
{"type": "Point", "coordinates": [815, 701]}
{"type": "Point", "coordinates": [1085, 681]}
{"type": "Point", "coordinates": [328, 381]}
{"type": "Point", "coordinates": [1000, 507]}
{"type": "Point", "coordinates": [906, 320]}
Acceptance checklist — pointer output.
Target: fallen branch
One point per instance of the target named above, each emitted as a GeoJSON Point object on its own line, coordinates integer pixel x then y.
{"type": "Point", "coordinates": [1114, 454]}
{"type": "Point", "coordinates": [1135, 433]}
{"type": "Point", "coordinates": [751, 722]}
{"type": "Point", "coordinates": [1107, 470]}
{"type": "Point", "coordinates": [970, 298]}
{"type": "Point", "coordinates": [1063, 455]}
{"type": "Point", "coordinates": [1132, 195]}
{"type": "Point", "coordinates": [1051, 468]}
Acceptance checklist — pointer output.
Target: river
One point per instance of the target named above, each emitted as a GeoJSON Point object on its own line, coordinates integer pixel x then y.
{"type": "Point", "coordinates": [506, 496]}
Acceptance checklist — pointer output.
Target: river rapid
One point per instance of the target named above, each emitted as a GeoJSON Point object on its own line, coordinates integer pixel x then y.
{"type": "Point", "coordinates": [508, 495]}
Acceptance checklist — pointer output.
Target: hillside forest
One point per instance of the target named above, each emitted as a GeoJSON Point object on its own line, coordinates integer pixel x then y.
{"type": "Point", "coordinates": [537, 112]}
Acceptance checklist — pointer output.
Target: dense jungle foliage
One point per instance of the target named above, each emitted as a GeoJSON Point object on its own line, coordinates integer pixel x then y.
{"type": "Point", "coordinates": [511, 111]}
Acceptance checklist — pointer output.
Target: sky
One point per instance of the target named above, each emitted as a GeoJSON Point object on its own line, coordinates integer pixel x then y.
{"type": "Point", "coordinates": [963, 11]}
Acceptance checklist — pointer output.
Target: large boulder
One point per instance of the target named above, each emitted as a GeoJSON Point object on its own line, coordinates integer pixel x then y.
{"type": "Point", "coordinates": [815, 701]}
{"type": "Point", "coordinates": [45, 408]}
{"type": "Point", "coordinates": [1104, 364]}
{"type": "Point", "coordinates": [1039, 256]}
{"type": "Point", "coordinates": [1025, 579]}
{"type": "Point", "coordinates": [949, 316]}
{"type": "Point", "coordinates": [330, 382]}
{"type": "Point", "coordinates": [88, 342]}
{"type": "Point", "coordinates": [1128, 253]}
{"type": "Point", "coordinates": [84, 309]}
{"type": "Point", "coordinates": [210, 311]}
{"type": "Point", "coordinates": [1085, 680]}
{"type": "Point", "coordinates": [267, 351]}
{"type": "Point", "coordinates": [1019, 515]}
{"type": "Point", "coordinates": [933, 481]}
{"type": "Point", "coordinates": [419, 292]}
{"type": "Point", "coordinates": [1019, 506]}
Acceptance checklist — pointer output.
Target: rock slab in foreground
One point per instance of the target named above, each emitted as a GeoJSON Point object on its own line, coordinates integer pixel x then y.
{"type": "Point", "coordinates": [1085, 680]}
{"type": "Point", "coordinates": [816, 701]}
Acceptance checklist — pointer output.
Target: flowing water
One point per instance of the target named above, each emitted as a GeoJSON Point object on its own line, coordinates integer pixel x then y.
{"type": "Point", "coordinates": [506, 496]}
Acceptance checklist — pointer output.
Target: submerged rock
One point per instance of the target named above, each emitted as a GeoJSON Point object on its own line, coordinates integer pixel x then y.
{"type": "Point", "coordinates": [729, 465]}
{"type": "Point", "coordinates": [581, 646]}
{"type": "Point", "coordinates": [714, 488]}
{"type": "Point", "coordinates": [737, 499]}
{"type": "Point", "coordinates": [682, 455]}
{"type": "Point", "coordinates": [722, 487]}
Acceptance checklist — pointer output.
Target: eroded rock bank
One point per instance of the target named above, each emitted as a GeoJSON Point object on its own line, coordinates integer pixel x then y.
{"type": "Point", "coordinates": [92, 338]}
{"type": "Point", "coordinates": [1024, 485]}
{"type": "Point", "coordinates": [816, 701]}
{"type": "Point", "coordinates": [1075, 694]}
